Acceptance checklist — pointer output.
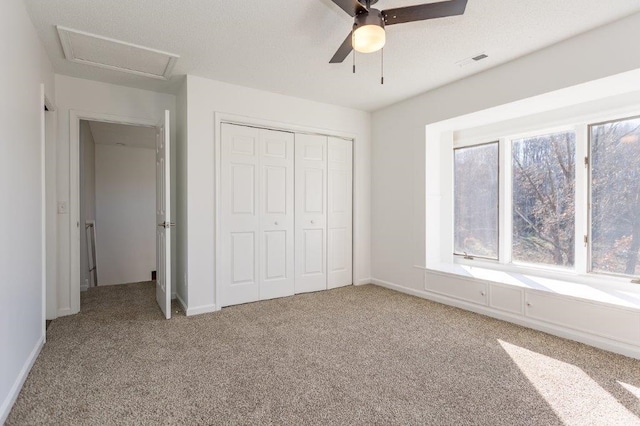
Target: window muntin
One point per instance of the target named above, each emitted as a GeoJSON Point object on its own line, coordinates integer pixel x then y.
{"type": "Point", "coordinates": [476, 200]}
{"type": "Point", "coordinates": [615, 197]}
{"type": "Point", "coordinates": [543, 199]}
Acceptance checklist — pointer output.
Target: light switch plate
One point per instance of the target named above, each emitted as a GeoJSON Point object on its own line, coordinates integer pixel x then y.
{"type": "Point", "coordinates": [63, 207]}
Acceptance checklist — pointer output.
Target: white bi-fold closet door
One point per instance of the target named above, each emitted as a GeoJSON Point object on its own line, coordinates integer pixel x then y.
{"type": "Point", "coordinates": [256, 215]}
{"type": "Point", "coordinates": [285, 214]}
{"type": "Point", "coordinates": [323, 212]}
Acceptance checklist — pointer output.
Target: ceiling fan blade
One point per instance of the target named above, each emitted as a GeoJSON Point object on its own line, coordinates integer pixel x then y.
{"type": "Point", "coordinates": [350, 6]}
{"type": "Point", "coordinates": [343, 51]}
{"type": "Point", "coordinates": [424, 11]}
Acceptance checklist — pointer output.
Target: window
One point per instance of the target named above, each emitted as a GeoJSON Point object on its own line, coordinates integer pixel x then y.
{"type": "Point", "coordinates": [476, 200]}
{"type": "Point", "coordinates": [543, 199]}
{"type": "Point", "coordinates": [568, 201]}
{"type": "Point", "coordinates": [615, 197]}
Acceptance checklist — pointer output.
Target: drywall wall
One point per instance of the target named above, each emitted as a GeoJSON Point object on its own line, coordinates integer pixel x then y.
{"type": "Point", "coordinates": [51, 213]}
{"type": "Point", "coordinates": [88, 196]}
{"type": "Point", "coordinates": [207, 97]}
{"type": "Point", "coordinates": [25, 68]}
{"type": "Point", "coordinates": [180, 164]}
{"type": "Point", "coordinates": [91, 97]}
{"type": "Point", "coordinates": [125, 179]}
{"type": "Point", "coordinates": [398, 164]}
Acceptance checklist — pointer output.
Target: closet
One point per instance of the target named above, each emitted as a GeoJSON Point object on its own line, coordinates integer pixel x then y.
{"type": "Point", "coordinates": [285, 214]}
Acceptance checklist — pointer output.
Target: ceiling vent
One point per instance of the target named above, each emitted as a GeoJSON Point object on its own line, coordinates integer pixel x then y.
{"type": "Point", "coordinates": [103, 52]}
{"type": "Point", "coordinates": [471, 60]}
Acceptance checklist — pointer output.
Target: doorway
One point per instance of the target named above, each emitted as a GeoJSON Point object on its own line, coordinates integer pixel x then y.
{"type": "Point", "coordinates": [117, 204]}
{"type": "Point", "coordinates": [120, 176]}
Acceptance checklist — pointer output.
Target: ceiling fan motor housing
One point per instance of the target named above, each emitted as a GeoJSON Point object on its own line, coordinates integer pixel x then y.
{"type": "Point", "coordinates": [372, 17]}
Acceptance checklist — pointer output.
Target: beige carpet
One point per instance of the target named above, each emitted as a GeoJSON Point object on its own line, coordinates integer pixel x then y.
{"type": "Point", "coordinates": [357, 355]}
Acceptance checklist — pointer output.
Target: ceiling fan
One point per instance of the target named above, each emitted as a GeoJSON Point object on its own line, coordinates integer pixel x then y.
{"type": "Point", "coordinates": [368, 33]}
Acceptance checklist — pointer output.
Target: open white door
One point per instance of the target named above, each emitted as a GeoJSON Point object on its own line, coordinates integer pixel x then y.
{"type": "Point", "coordinates": [163, 217]}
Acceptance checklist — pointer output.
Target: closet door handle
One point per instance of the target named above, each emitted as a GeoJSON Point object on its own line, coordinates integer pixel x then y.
{"type": "Point", "coordinates": [313, 221]}
{"type": "Point", "coordinates": [275, 223]}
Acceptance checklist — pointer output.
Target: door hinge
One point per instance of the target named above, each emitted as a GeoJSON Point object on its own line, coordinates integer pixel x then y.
{"type": "Point", "coordinates": [166, 225]}
{"type": "Point", "coordinates": [586, 240]}
{"type": "Point", "coordinates": [586, 161]}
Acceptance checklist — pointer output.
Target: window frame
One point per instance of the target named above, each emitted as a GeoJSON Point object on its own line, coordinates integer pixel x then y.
{"type": "Point", "coordinates": [509, 164]}
{"type": "Point", "coordinates": [498, 236]}
{"type": "Point", "coordinates": [589, 234]}
{"type": "Point", "coordinates": [581, 125]}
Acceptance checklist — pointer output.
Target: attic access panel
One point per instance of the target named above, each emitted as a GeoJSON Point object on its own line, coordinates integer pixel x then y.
{"type": "Point", "coordinates": [103, 52]}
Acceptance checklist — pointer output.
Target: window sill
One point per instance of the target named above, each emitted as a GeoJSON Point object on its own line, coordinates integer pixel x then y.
{"type": "Point", "coordinates": [601, 289]}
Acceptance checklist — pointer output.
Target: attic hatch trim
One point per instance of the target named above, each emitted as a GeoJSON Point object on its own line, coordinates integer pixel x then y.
{"type": "Point", "coordinates": [67, 47]}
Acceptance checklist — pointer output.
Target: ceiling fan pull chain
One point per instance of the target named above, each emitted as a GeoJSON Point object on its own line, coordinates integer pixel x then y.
{"type": "Point", "coordinates": [354, 55]}
{"type": "Point", "coordinates": [382, 66]}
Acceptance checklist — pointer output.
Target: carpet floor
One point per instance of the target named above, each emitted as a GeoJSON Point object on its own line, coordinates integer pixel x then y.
{"type": "Point", "coordinates": [355, 355]}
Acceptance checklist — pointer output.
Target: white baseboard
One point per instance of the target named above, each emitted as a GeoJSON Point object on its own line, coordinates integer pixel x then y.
{"type": "Point", "coordinates": [183, 305]}
{"type": "Point", "coordinates": [205, 309]}
{"type": "Point", "coordinates": [84, 287]}
{"type": "Point", "coordinates": [556, 330]}
{"type": "Point", "coordinates": [7, 404]}
{"type": "Point", "coordinates": [363, 281]}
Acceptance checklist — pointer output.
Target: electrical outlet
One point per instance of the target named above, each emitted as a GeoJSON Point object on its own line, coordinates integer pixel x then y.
{"type": "Point", "coordinates": [63, 207]}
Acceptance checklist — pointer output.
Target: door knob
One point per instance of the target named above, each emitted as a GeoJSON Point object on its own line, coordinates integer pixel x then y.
{"type": "Point", "coordinates": [313, 221]}
{"type": "Point", "coordinates": [275, 223]}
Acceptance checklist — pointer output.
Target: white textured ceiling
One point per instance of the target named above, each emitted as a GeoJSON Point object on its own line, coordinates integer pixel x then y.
{"type": "Point", "coordinates": [118, 134]}
{"type": "Point", "coordinates": [284, 46]}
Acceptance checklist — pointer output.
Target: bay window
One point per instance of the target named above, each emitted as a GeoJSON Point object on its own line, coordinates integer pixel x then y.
{"type": "Point", "coordinates": [552, 209]}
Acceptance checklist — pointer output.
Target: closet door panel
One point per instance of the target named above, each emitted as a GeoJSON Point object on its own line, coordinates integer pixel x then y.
{"type": "Point", "coordinates": [340, 213]}
{"type": "Point", "coordinates": [277, 269]}
{"type": "Point", "coordinates": [310, 213]}
{"type": "Point", "coordinates": [239, 215]}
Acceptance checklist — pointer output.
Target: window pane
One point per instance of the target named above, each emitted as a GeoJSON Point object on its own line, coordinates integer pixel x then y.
{"type": "Point", "coordinates": [476, 200]}
{"type": "Point", "coordinates": [615, 197]}
{"type": "Point", "coordinates": [544, 199]}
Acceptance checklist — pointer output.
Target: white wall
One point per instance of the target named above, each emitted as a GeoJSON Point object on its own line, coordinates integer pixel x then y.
{"type": "Point", "coordinates": [180, 164]}
{"type": "Point", "coordinates": [204, 98]}
{"type": "Point", "coordinates": [398, 165]}
{"type": "Point", "coordinates": [125, 180]}
{"type": "Point", "coordinates": [25, 67]}
{"type": "Point", "coordinates": [88, 195]}
{"type": "Point", "coordinates": [85, 96]}
{"type": "Point", "coordinates": [51, 123]}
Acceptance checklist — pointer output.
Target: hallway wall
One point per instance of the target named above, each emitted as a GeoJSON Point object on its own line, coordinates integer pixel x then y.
{"type": "Point", "coordinates": [25, 68]}
{"type": "Point", "coordinates": [125, 213]}
{"type": "Point", "coordinates": [84, 96]}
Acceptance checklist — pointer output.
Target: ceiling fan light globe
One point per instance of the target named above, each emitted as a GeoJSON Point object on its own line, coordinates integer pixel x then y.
{"type": "Point", "coordinates": [369, 38]}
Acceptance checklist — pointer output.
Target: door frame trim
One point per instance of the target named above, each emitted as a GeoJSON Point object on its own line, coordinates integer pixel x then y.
{"type": "Point", "coordinates": [220, 118]}
{"type": "Point", "coordinates": [74, 191]}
